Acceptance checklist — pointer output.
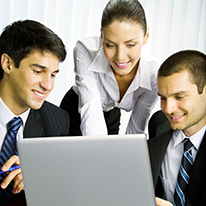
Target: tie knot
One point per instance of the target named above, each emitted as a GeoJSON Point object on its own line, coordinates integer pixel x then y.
{"type": "Point", "coordinates": [14, 124]}
{"type": "Point", "coordinates": [187, 144]}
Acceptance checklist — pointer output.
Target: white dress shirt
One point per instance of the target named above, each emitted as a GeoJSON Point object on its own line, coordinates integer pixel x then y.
{"type": "Point", "coordinates": [98, 89]}
{"type": "Point", "coordinates": [171, 164]}
{"type": "Point", "coordinates": [5, 116]}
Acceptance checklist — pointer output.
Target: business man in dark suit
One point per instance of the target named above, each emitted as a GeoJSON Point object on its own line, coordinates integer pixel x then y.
{"type": "Point", "coordinates": [182, 121]}
{"type": "Point", "coordinates": [30, 56]}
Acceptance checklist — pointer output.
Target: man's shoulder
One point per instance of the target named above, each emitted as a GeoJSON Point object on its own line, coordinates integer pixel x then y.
{"type": "Point", "coordinates": [49, 110]}
{"type": "Point", "coordinates": [158, 117]}
{"type": "Point", "coordinates": [49, 106]}
{"type": "Point", "coordinates": [53, 120]}
{"type": "Point", "coordinates": [158, 124]}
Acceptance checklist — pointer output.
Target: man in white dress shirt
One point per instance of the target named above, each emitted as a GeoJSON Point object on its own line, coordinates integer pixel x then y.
{"type": "Point", "coordinates": [182, 89]}
{"type": "Point", "coordinates": [30, 56]}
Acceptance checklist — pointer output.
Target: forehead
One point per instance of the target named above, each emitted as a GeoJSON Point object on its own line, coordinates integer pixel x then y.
{"type": "Point", "coordinates": [40, 57]}
{"type": "Point", "coordinates": [46, 61]}
{"type": "Point", "coordinates": [35, 53]}
{"type": "Point", "coordinates": [175, 83]}
{"type": "Point", "coordinates": [123, 29]}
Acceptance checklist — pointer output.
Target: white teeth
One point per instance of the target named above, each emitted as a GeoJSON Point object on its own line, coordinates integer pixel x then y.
{"type": "Point", "coordinates": [121, 64]}
{"type": "Point", "coordinates": [37, 93]}
{"type": "Point", "coordinates": [177, 117]}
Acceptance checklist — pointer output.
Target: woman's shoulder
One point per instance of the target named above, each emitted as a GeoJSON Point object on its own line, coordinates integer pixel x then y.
{"type": "Point", "coordinates": [148, 57]}
{"type": "Point", "coordinates": [88, 47]}
{"type": "Point", "coordinates": [91, 43]}
{"type": "Point", "coordinates": [90, 53]}
{"type": "Point", "coordinates": [150, 62]}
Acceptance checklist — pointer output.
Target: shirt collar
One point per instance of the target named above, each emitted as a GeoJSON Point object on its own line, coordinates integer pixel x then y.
{"type": "Point", "coordinates": [196, 139]}
{"type": "Point", "coordinates": [142, 78]}
{"type": "Point", "coordinates": [99, 63]}
{"type": "Point", "coordinates": [7, 114]}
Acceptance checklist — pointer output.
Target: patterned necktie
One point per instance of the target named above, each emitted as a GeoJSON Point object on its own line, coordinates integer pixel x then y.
{"type": "Point", "coordinates": [184, 174]}
{"type": "Point", "coordinates": [9, 148]}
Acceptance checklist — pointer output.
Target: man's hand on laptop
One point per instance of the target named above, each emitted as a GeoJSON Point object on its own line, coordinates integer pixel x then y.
{"type": "Point", "coordinates": [161, 202]}
{"type": "Point", "coordinates": [14, 175]}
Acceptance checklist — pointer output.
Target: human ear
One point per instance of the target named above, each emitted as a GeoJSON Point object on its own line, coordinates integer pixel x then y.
{"type": "Point", "coordinates": [6, 62]}
{"type": "Point", "coordinates": [146, 37]}
{"type": "Point", "coordinates": [102, 34]}
{"type": "Point", "coordinates": [204, 91]}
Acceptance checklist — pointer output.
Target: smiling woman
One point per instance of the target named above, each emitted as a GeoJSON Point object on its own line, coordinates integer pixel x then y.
{"type": "Point", "coordinates": [122, 44]}
{"type": "Point", "coordinates": [113, 73]}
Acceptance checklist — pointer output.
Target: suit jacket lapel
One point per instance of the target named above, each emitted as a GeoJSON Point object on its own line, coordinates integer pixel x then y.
{"type": "Point", "coordinates": [157, 150]}
{"type": "Point", "coordinates": [197, 176]}
{"type": "Point", "coordinates": [33, 126]}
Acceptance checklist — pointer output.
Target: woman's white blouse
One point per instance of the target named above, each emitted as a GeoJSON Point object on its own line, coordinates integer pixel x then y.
{"type": "Point", "coordinates": [98, 90]}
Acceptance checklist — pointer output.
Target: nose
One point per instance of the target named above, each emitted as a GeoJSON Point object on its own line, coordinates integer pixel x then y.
{"type": "Point", "coordinates": [168, 106]}
{"type": "Point", "coordinates": [47, 82]}
{"type": "Point", "coordinates": [120, 53]}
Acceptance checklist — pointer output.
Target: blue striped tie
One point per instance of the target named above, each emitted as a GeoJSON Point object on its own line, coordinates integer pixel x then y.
{"type": "Point", "coordinates": [184, 174]}
{"type": "Point", "coordinates": [9, 148]}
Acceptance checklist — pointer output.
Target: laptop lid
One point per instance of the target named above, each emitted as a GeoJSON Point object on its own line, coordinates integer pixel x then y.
{"type": "Point", "coordinates": [87, 171]}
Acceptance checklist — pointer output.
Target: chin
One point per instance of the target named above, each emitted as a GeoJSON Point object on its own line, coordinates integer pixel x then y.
{"type": "Point", "coordinates": [122, 72]}
{"type": "Point", "coordinates": [36, 106]}
{"type": "Point", "coordinates": [176, 127]}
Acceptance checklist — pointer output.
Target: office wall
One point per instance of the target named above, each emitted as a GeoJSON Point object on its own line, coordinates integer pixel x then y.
{"type": "Point", "coordinates": [174, 25]}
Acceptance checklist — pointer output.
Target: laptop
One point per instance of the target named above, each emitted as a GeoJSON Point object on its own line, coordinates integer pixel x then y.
{"type": "Point", "coordinates": [87, 171]}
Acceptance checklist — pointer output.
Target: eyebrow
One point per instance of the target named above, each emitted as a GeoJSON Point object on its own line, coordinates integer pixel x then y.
{"type": "Point", "coordinates": [174, 94]}
{"type": "Point", "coordinates": [43, 67]}
{"type": "Point", "coordinates": [125, 41]}
{"type": "Point", "coordinates": [39, 66]}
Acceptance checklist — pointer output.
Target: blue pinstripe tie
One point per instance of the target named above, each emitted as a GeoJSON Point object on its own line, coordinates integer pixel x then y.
{"type": "Point", "coordinates": [184, 174]}
{"type": "Point", "coordinates": [9, 148]}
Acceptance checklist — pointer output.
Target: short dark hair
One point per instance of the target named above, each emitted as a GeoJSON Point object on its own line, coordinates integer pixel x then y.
{"type": "Point", "coordinates": [124, 10]}
{"type": "Point", "coordinates": [194, 62]}
{"type": "Point", "coordinates": [21, 38]}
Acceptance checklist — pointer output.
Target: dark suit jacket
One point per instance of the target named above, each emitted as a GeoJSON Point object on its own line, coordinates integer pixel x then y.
{"type": "Point", "coordinates": [160, 134]}
{"type": "Point", "coordinates": [48, 121]}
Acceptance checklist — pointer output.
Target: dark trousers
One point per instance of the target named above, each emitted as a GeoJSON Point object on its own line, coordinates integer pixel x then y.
{"type": "Point", "coordinates": [70, 104]}
{"type": "Point", "coordinates": [16, 200]}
